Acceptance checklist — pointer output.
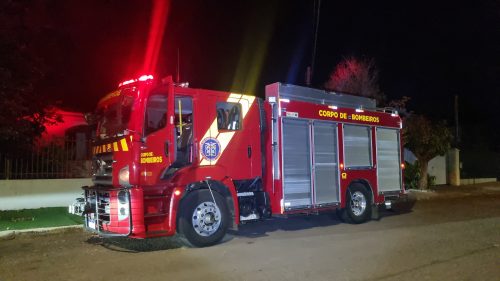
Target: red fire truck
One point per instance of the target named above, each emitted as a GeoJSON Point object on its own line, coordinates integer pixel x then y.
{"type": "Point", "coordinates": [169, 158]}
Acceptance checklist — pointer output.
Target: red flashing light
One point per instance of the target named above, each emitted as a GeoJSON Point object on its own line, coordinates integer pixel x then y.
{"type": "Point", "coordinates": [126, 82]}
{"type": "Point", "coordinates": [145, 77]}
{"type": "Point", "coordinates": [141, 79]}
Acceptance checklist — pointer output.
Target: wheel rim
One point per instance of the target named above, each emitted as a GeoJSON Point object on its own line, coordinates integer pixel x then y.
{"type": "Point", "coordinates": [358, 203]}
{"type": "Point", "coordinates": [206, 218]}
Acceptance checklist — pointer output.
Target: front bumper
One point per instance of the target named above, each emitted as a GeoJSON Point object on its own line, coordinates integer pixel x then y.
{"type": "Point", "coordinates": [108, 212]}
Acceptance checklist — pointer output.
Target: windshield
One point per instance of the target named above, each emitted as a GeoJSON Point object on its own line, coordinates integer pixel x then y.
{"type": "Point", "coordinates": [113, 114]}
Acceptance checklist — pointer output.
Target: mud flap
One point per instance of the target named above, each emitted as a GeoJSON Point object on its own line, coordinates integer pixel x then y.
{"type": "Point", "coordinates": [375, 212]}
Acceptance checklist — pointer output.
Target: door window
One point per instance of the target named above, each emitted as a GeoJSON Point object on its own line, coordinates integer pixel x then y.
{"type": "Point", "coordinates": [156, 113]}
{"type": "Point", "coordinates": [228, 116]}
{"type": "Point", "coordinates": [184, 130]}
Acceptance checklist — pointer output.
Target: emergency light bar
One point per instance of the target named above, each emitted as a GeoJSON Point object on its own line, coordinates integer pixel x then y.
{"type": "Point", "coordinates": [141, 79]}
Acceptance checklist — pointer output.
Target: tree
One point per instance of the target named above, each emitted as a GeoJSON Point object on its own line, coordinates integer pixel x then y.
{"type": "Point", "coordinates": [357, 77]}
{"type": "Point", "coordinates": [24, 111]}
{"type": "Point", "coordinates": [426, 139]}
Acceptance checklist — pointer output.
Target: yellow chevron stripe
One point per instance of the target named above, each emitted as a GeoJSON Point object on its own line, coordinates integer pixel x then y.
{"type": "Point", "coordinates": [123, 142]}
{"type": "Point", "coordinates": [115, 146]}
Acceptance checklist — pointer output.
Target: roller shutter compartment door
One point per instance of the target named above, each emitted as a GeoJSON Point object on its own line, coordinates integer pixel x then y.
{"type": "Point", "coordinates": [296, 163]}
{"type": "Point", "coordinates": [357, 147]}
{"type": "Point", "coordinates": [388, 160]}
{"type": "Point", "coordinates": [325, 163]}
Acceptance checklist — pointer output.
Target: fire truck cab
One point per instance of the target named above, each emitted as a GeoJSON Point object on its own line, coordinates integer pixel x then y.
{"type": "Point", "coordinates": [169, 158]}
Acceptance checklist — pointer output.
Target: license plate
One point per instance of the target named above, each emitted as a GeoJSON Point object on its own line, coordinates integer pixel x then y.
{"type": "Point", "coordinates": [91, 221]}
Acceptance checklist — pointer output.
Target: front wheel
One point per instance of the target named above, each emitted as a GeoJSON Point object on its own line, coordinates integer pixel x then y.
{"type": "Point", "coordinates": [358, 205]}
{"type": "Point", "coordinates": [202, 221]}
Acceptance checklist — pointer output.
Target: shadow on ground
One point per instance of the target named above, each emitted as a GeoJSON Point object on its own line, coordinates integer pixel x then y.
{"type": "Point", "coordinates": [302, 222]}
{"type": "Point", "coordinates": [291, 223]}
{"type": "Point", "coordinates": [248, 230]}
{"type": "Point", "coordinates": [129, 245]}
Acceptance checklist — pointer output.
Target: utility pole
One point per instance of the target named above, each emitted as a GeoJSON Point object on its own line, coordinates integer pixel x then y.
{"type": "Point", "coordinates": [457, 132]}
{"type": "Point", "coordinates": [310, 69]}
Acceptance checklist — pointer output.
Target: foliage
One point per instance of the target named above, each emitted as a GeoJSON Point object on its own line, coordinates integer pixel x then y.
{"type": "Point", "coordinates": [24, 110]}
{"type": "Point", "coordinates": [357, 77]}
{"type": "Point", "coordinates": [426, 139]}
{"type": "Point", "coordinates": [400, 106]}
{"type": "Point", "coordinates": [411, 175]}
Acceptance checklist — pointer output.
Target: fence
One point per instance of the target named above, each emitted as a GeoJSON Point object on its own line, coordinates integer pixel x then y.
{"type": "Point", "coordinates": [62, 158]}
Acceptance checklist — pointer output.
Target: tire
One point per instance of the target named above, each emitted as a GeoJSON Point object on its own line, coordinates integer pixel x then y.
{"type": "Point", "coordinates": [358, 205]}
{"type": "Point", "coordinates": [202, 222]}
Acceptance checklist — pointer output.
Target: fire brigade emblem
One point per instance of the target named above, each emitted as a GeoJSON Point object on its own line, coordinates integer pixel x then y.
{"type": "Point", "coordinates": [210, 148]}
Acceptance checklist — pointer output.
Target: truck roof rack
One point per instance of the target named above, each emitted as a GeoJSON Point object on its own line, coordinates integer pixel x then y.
{"type": "Point", "coordinates": [299, 93]}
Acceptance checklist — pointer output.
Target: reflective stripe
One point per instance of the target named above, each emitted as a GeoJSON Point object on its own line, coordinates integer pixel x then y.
{"type": "Point", "coordinates": [123, 142]}
{"type": "Point", "coordinates": [109, 147]}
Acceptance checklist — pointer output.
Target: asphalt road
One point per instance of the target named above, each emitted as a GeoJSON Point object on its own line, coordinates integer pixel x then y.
{"type": "Point", "coordinates": [446, 238]}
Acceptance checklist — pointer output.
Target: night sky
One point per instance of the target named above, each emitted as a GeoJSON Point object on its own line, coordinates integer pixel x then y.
{"type": "Point", "coordinates": [429, 51]}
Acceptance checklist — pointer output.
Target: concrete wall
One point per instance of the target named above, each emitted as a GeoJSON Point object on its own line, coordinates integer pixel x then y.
{"type": "Point", "coordinates": [437, 168]}
{"type": "Point", "coordinates": [475, 181]}
{"type": "Point", "coordinates": [33, 194]}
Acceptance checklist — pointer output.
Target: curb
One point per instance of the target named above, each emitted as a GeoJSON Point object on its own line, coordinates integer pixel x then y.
{"type": "Point", "coordinates": [11, 234]}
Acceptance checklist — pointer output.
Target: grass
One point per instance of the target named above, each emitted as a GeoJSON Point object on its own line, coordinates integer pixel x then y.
{"type": "Point", "coordinates": [37, 218]}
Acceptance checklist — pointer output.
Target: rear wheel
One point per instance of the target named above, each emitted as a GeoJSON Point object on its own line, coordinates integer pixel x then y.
{"type": "Point", "coordinates": [358, 205]}
{"type": "Point", "coordinates": [202, 221]}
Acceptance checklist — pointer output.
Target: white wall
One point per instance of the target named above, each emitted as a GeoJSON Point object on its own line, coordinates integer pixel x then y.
{"type": "Point", "coordinates": [476, 181]}
{"type": "Point", "coordinates": [437, 168]}
{"type": "Point", "coordinates": [33, 194]}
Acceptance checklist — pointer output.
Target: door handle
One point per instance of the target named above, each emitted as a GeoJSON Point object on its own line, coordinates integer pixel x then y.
{"type": "Point", "coordinates": [249, 151]}
{"type": "Point", "coordinates": [166, 148]}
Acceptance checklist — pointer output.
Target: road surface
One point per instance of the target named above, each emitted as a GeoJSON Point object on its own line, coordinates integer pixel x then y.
{"type": "Point", "coordinates": [454, 237]}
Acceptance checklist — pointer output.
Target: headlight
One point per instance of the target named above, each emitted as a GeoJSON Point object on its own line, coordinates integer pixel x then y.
{"type": "Point", "coordinates": [123, 204]}
{"type": "Point", "coordinates": [122, 197]}
{"type": "Point", "coordinates": [123, 177]}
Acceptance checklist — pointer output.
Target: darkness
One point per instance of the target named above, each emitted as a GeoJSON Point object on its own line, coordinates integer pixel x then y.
{"type": "Point", "coordinates": [427, 51]}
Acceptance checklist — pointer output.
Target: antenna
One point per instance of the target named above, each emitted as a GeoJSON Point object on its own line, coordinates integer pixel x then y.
{"type": "Point", "coordinates": [178, 66]}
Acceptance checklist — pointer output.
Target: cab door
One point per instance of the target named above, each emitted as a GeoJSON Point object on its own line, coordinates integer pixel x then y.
{"type": "Point", "coordinates": [232, 144]}
{"type": "Point", "coordinates": [156, 151]}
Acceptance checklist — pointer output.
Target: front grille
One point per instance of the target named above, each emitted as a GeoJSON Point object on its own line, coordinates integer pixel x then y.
{"type": "Point", "coordinates": [102, 169]}
{"type": "Point", "coordinates": [99, 207]}
{"type": "Point", "coordinates": [103, 207]}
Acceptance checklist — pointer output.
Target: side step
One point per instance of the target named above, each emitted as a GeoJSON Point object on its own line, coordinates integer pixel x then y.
{"type": "Point", "coordinates": [156, 233]}
{"type": "Point", "coordinates": [155, 215]}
